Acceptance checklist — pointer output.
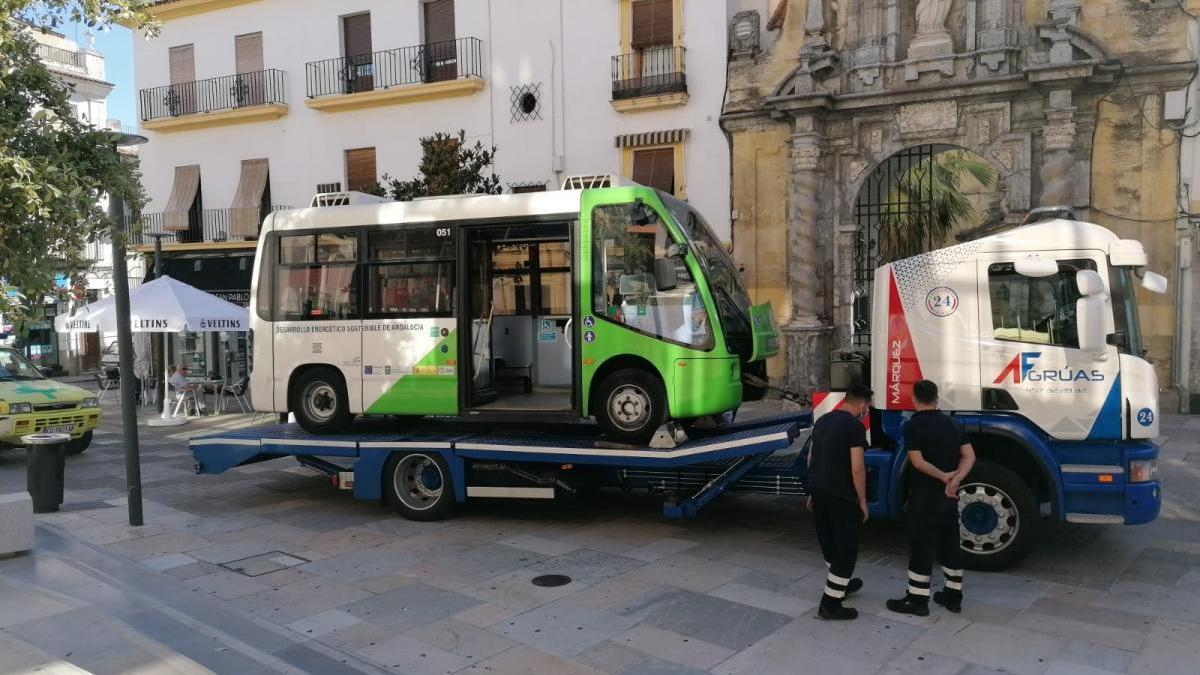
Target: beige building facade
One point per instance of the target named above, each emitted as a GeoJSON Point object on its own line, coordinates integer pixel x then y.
{"type": "Point", "coordinates": [1062, 98]}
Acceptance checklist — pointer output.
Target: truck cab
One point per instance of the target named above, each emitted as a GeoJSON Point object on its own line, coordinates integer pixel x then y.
{"type": "Point", "coordinates": [1033, 337]}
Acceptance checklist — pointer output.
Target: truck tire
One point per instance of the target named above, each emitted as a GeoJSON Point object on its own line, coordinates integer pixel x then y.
{"type": "Point", "coordinates": [320, 402]}
{"type": "Point", "coordinates": [418, 486]}
{"type": "Point", "coordinates": [78, 445]}
{"type": "Point", "coordinates": [631, 405]}
{"type": "Point", "coordinates": [999, 517]}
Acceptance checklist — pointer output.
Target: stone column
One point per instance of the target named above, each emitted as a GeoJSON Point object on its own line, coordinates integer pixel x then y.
{"type": "Point", "coordinates": [806, 336]}
{"type": "Point", "coordinates": [1058, 151]}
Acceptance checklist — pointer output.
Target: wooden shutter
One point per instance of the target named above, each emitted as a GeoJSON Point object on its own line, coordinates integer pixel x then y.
{"type": "Point", "coordinates": [182, 199]}
{"type": "Point", "coordinates": [655, 168]}
{"type": "Point", "coordinates": [439, 21]}
{"type": "Point", "coordinates": [182, 96]}
{"type": "Point", "coordinates": [246, 213]}
{"type": "Point", "coordinates": [653, 23]}
{"type": "Point", "coordinates": [248, 50]}
{"type": "Point", "coordinates": [356, 33]}
{"type": "Point", "coordinates": [360, 169]}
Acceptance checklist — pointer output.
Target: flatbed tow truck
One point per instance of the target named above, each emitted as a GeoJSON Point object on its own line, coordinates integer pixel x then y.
{"type": "Point", "coordinates": [424, 470]}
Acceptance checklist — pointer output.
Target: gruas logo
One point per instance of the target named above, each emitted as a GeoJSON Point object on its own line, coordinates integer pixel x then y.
{"type": "Point", "coordinates": [1023, 369]}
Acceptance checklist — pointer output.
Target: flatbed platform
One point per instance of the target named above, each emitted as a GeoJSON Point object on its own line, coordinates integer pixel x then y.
{"type": "Point", "coordinates": [491, 460]}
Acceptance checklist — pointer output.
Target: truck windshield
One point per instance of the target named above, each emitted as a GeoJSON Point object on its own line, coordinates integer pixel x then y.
{"type": "Point", "coordinates": [13, 366]}
{"type": "Point", "coordinates": [1128, 329]}
{"type": "Point", "coordinates": [733, 303]}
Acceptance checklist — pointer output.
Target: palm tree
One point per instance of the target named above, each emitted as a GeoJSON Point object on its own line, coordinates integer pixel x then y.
{"type": "Point", "coordinates": [927, 203]}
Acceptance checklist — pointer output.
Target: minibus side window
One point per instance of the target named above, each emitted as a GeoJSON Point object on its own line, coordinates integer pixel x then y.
{"type": "Point", "coordinates": [316, 277]}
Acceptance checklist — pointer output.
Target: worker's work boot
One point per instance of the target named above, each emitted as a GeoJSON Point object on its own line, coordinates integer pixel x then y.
{"type": "Point", "coordinates": [832, 610]}
{"type": "Point", "coordinates": [950, 599]}
{"type": "Point", "coordinates": [915, 605]}
{"type": "Point", "coordinates": [854, 586]}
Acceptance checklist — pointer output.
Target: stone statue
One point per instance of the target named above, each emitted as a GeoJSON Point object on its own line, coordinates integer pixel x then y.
{"type": "Point", "coordinates": [931, 16]}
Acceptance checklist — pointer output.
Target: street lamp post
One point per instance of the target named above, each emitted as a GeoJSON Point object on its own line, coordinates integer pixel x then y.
{"type": "Point", "coordinates": [133, 465]}
{"type": "Point", "coordinates": [160, 393]}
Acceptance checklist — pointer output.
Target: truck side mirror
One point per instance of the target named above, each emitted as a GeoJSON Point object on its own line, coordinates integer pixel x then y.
{"type": "Point", "coordinates": [675, 251]}
{"type": "Point", "coordinates": [1155, 283]}
{"type": "Point", "coordinates": [642, 214]}
{"type": "Point", "coordinates": [1089, 314]}
{"type": "Point", "coordinates": [664, 274]}
{"type": "Point", "coordinates": [1090, 284]}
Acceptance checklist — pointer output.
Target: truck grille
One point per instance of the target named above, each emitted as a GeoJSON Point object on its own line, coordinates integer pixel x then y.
{"type": "Point", "coordinates": [45, 407]}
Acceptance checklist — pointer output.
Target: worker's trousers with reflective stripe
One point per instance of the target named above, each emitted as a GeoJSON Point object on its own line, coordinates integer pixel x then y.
{"type": "Point", "coordinates": [838, 523]}
{"type": "Point", "coordinates": [934, 534]}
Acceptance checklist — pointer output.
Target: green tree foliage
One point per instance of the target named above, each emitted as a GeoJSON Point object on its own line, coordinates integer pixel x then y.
{"type": "Point", "coordinates": [54, 168]}
{"type": "Point", "coordinates": [448, 167]}
{"type": "Point", "coordinates": [927, 203]}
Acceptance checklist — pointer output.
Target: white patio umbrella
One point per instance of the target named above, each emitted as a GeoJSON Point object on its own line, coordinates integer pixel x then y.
{"type": "Point", "coordinates": [160, 306]}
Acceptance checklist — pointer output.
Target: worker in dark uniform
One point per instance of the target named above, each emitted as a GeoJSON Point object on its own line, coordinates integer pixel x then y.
{"type": "Point", "coordinates": [837, 481]}
{"type": "Point", "coordinates": [941, 456]}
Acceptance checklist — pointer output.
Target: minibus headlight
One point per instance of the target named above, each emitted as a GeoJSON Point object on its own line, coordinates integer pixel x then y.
{"type": "Point", "coordinates": [19, 408]}
{"type": "Point", "coordinates": [91, 402]}
{"type": "Point", "coordinates": [1143, 470]}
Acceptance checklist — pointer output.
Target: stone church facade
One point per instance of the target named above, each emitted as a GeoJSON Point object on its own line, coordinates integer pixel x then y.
{"type": "Point", "coordinates": [1063, 98]}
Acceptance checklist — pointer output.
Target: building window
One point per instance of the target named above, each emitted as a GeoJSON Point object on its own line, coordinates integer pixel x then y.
{"type": "Point", "coordinates": [181, 96]}
{"type": "Point", "coordinates": [360, 170]}
{"type": "Point", "coordinates": [440, 51]}
{"type": "Point", "coordinates": [525, 102]}
{"type": "Point", "coordinates": [655, 167]}
{"type": "Point", "coordinates": [1037, 311]}
{"type": "Point", "coordinates": [248, 57]}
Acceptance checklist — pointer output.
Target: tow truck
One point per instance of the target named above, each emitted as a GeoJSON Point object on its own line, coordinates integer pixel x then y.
{"type": "Point", "coordinates": [1031, 334]}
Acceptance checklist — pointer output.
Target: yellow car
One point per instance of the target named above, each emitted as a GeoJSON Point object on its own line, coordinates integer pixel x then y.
{"type": "Point", "coordinates": [31, 402]}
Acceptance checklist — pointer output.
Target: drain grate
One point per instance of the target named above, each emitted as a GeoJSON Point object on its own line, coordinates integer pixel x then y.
{"type": "Point", "coordinates": [551, 580]}
{"type": "Point", "coordinates": [264, 563]}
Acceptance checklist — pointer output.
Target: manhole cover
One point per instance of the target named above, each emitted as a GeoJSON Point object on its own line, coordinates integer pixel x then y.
{"type": "Point", "coordinates": [549, 580]}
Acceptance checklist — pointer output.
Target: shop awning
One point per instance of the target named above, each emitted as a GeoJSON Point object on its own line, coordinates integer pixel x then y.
{"type": "Point", "coordinates": [226, 276]}
{"type": "Point", "coordinates": [247, 202]}
{"type": "Point", "coordinates": [183, 194]}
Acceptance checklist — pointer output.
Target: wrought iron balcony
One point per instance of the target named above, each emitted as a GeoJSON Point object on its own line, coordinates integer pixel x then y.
{"type": "Point", "coordinates": [62, 57]}
{"type": "Point", "coordinates": [419, 64]}
{"type": "Point", "coordinates": [649, 72]}
{"type": "Point", "coordinates": [206, 225]}
{"type": "Point", "coordinates": [229, 92]}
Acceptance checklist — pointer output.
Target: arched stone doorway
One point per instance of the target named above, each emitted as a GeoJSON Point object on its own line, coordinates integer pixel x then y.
{"type": "Point", "coordinates": [906, 190]}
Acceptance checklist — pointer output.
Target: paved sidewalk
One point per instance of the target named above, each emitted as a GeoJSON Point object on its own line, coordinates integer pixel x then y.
{"type": "Point", "coordinates": [269, 569]}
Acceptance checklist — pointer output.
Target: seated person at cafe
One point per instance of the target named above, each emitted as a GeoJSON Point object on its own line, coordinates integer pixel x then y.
{"type": "Point", "coordinates": [180, 383]}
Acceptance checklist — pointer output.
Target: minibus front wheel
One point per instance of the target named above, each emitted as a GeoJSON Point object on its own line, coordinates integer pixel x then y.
{"type": "Point", "coordinates": [320, 402]}
{"type": "Point", "coordinates": [631, 404]}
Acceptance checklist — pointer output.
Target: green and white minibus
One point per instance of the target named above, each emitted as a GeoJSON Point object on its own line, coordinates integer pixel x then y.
{"type": "Point", "coordinates": [616, 302]}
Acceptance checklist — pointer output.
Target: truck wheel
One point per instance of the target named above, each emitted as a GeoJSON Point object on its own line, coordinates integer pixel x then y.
{"type": "Point", "coordinates": [418, 486]}
{"type": "Point", "coordinates": [999, 517]}
{"type": "Point", "coordinates": [78, 445]}
{"type": "Point", "coordinates": [320, 403]}
{"type": "Point", "coordinates": [631, 405]}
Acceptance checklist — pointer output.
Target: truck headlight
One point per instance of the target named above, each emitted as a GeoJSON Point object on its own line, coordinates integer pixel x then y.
{"type": "Point", "coordinates": [91, 402]}
{"type": "Point", "coordinates": [19, 408]}
{"type": "Point", "coordinates": [1143, 470]}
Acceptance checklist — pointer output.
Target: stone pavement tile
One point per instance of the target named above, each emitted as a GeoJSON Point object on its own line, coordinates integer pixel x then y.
{"type": "Point", "coordinates": [20, 604]}
{"type": "Point", "coordinates": [283, 577]}
{"type": "Point", "coordinates": [305, 658]}
{"type": "Point", "coordinates": [344, 541]}
{"type": "Point", "coordinates": [105, 533]}
{"type": "Point", "coordinates": [765, 580]}
{"type": "Point", "coordinates": [991, 645]}
{"type": "Point", "coordinates": [123, 659]}
{"type": "Point", "coordinates": [775, 601]}
{"type": "Point", "coordinates": [692, 572]}
{"type": "Point", "coordinates": [296, 601]}
{"type": "Point", "coordinates": [355, 566]}
{"type": "Point", "coordinates": [461, 639]}
{"type": "Point", "coordinates": [547, 547]}
{"type": "Point", "coordinates": [622, 593]}
{"type": "Point", "coordinates": [654, 666]}
{"type": "Point", "coordinates": [1149, 600]}
{"type": "Point", "coordinates": [622, 534]}
{"type": "Point", "coordinates": [225, 585]}
{"type": "Point", "coordinates": [868, 638]}
{"type": "Point", "coordinates": [223, 553]}
{"type": "Point", "coordinates": [912, 662]}
{"type": "Point", "coordinates": [660, 548]}
{"type": "Point", "coordinates": [356, 636]}
{"type": "Point", "coordinates": [788, 651]}
{"type": "Point", "coordinates": [671, 646]}
{"type": "Point", "coordinates": [324, 622]}
{"type": "Point", "coordinates": [526, 660]}
{"type": "Point", "coordinates": [1160, 567]}
{"type": "Point", "coordinates": [285, 537]}
{"type": "Point", "coordinates": [1081, 622]}
{"type": "Point", "coordinates": [18, 656]}
{"type": "Point", "coordinates": [1098, 656]}
{"type": "Point", "coordinates": [516, 591]}
{"type": "Point", "coordinates": [729, 624]}
{"type": "Point", "coordinates": [611, 657]}
{"type": "Point", "coordinates": [483, 561]}
{"type": "Point", "coordinates": [1061, 667]}
{"type": "Point", "coordinates": [209, 526]}
{"type": "Point", "coordinates": [586, 566]}
{"type": "Point", "coordinates": [196, 569]}
{"type": "Point", "coordinates": [1171, 647]}
{"type": "Point", "coordinates": [59, 635]}
{"type": "Point", "coordinates": [169, 562]}
{"type": "Point", "coordinates": [484, 615]}
{"type": "Point", "coordinates": [412, 656]}
{"type": "Point", "coordinates": [410, 606]}
{"type": "Point", "coordinates": [563, 628]}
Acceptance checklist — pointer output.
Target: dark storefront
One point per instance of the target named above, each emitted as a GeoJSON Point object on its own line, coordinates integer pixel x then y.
{"type": "Point", "coordinates": [225, 275]}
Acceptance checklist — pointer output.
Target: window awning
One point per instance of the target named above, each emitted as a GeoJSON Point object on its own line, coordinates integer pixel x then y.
{"type": "Point", "coordinates": [183, 194]}
{"type": "Point", "coordinates": [245, 214]}
{"type": "Point", "coordinates": [652, 138]}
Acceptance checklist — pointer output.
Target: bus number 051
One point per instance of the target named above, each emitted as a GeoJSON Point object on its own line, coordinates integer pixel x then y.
{"type": "Point", "coordinates": [442, 232]}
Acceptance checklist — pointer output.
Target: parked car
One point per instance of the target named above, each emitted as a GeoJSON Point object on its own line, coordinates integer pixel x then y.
{"type": "Point", "coordinates": [31, 403]}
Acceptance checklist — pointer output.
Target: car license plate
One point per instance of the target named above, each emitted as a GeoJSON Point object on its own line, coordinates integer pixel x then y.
{"type": "Point", "coordinates": [60, 429]}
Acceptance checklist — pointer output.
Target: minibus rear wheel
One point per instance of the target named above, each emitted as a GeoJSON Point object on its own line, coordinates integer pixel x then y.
{"type": "Point", "coordinates": [320, 402]}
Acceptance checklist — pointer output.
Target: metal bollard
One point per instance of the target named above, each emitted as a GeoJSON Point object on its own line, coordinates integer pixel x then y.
{"type": "Point", "coordinates": [45, 470]}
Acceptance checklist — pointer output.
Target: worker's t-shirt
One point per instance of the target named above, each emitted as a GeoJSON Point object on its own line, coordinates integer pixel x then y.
{"type": "Point", "coordinates": [938, 437]}
{"type": "Point", "coordinates": [179, 381]}
{"type": "Point", "coordinates": [829, 471]}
